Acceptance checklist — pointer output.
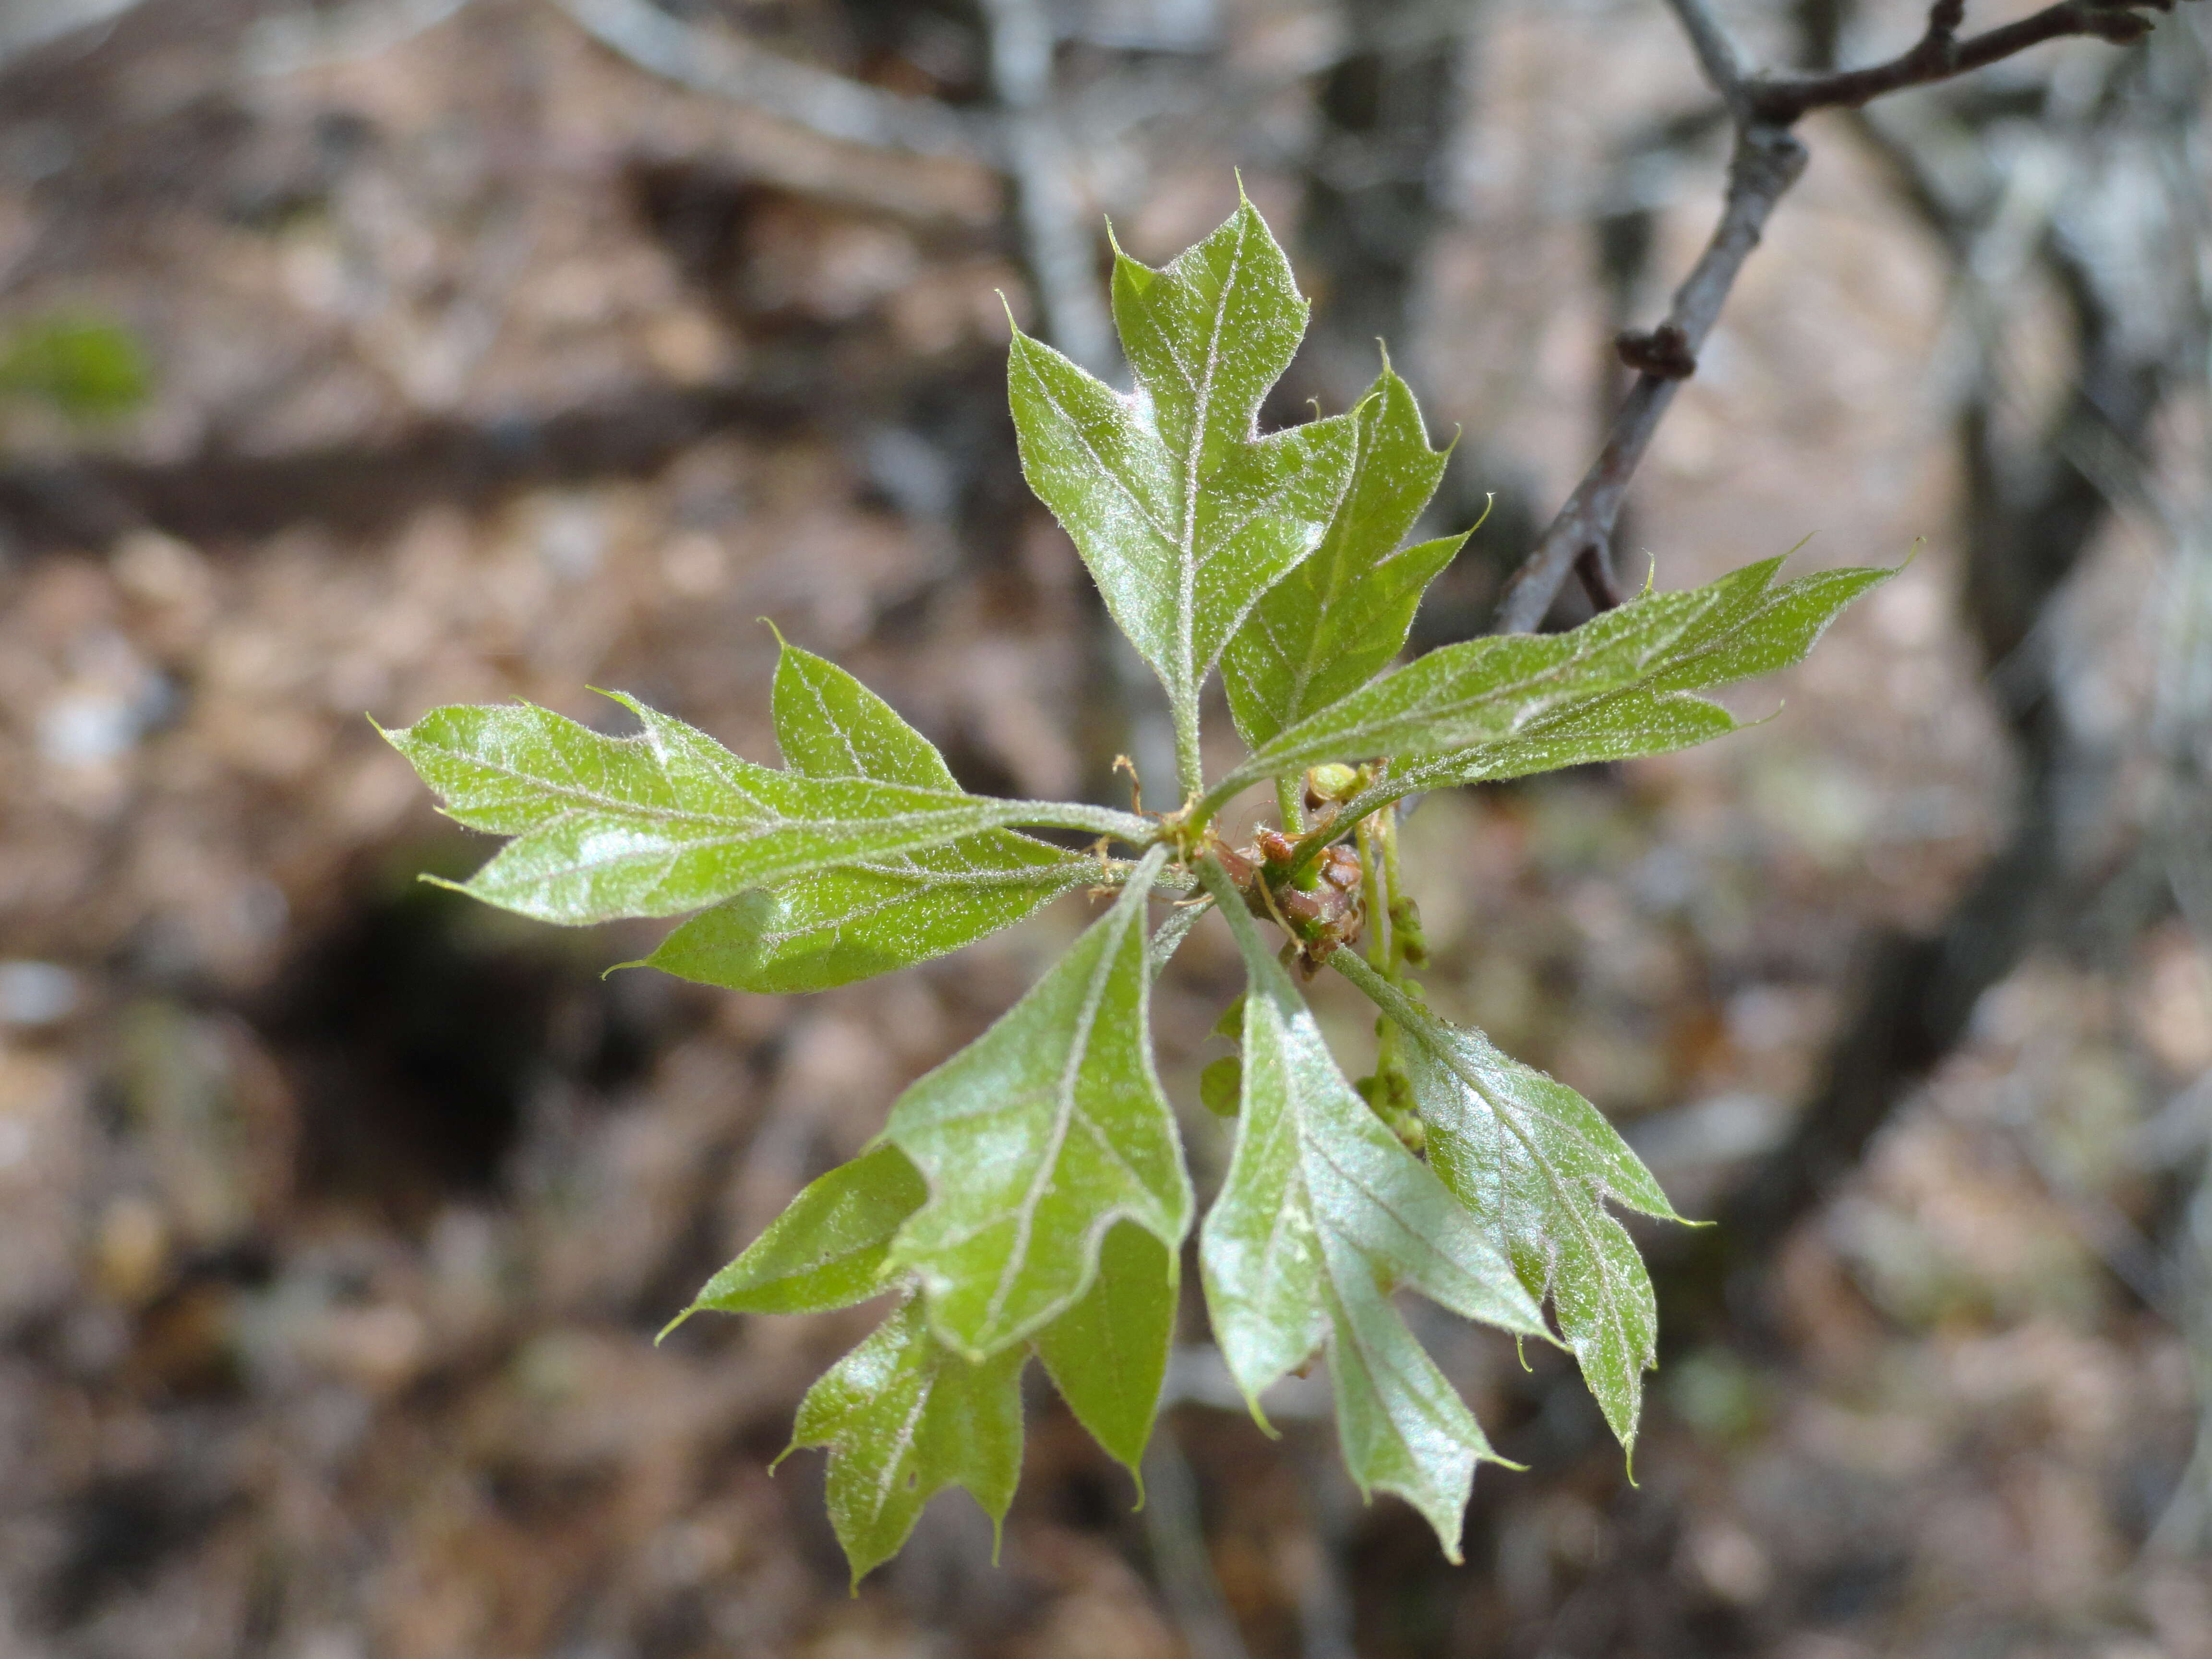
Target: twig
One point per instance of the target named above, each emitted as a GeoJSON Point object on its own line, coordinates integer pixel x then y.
{"type": "Point", "coordinates": [2032, 514]}
{"type": "Point", "coordinates": [723, 63]}
{"type": "Point", "coordinates": [1719, 55]}
{"type": "Point", "coordinates": [1939, 54]}
{"type": "Point", "coordinates": [1766, 160]}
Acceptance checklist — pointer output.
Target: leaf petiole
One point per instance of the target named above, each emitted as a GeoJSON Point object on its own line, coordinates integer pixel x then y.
{"type": "Point", "coordinates": [1402, 1009]}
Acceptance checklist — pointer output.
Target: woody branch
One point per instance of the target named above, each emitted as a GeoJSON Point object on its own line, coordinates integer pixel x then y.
{"type": "Point", "coordinates": [1765, 160]}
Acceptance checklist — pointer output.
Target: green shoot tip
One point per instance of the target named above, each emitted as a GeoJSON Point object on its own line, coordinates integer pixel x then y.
{"type": "Point", "coordinates": [693, 1307]}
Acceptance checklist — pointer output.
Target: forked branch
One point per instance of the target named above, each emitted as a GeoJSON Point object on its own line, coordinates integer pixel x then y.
{"type": "Point", "coordinates": [1766, 160]}
{"type": "Point", "coordinates": [1940, 54]}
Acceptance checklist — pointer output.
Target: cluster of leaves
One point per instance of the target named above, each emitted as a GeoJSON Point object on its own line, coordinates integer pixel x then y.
{"type": "Point", "coordinates": [1029, 1196]}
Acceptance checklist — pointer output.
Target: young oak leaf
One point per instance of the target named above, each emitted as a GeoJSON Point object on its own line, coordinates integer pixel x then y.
{"type": "Point", "coordinates": [1340, 616]}
{"type": "Point", "coordinates": [1038, 1136]}
{"type": "Point", "coordinates": [1183, 514]}
{"type": "Point", "coordinates": [669, 820]}
{"type": "Point", "coordinates": [831, 1248]}
{"type": "Point", "coordinates": [1107, 1354]}
{"type": "Point", "coordinates": [1401, 1425]}
{"type": "Point", "coordinates": [1536, 1163]}
{"type": "Point", "coordinates": [1322, 1213]}
{"type": "Point", "coordinates": [904, 1417]}
{"type": "Point", "coordinates": [1621, 684]}
{"type": "Point", "coordinates": [828, 1249]}
{"type": "Point", "coordinates": [833, 926]}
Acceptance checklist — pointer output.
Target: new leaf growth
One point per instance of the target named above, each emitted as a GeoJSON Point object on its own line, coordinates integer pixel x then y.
{"type": "Point", "coordinates": [1029, 1196]}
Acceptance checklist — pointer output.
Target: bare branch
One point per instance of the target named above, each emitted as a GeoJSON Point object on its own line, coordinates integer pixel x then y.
{"type": "Point", "coordinates": [723, 63]}
{"type": "Point", "coordinates": [1719, 55]}
{"type": "Point", "coordinates": [1766, 161]}
{"type": "Point", "coordinates": [1939, 54]}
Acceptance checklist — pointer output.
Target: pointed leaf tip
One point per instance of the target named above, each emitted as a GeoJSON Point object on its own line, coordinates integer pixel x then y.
{"type": "Point", "coordinates": [903, 1418]}
{"type": "Point", "coordinates": [1107, 1354]}
{"type": "Point", "coordinates": [829, 1248]}
{"type": "Point", "coordinates": [1183, 514]}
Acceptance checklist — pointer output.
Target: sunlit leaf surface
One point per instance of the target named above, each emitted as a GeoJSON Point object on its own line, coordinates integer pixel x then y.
{"type": "Point", "coordinates": [848, 922]}
{"type": "Point", "coordinates": [1038, 1136]}
{"type": "Point", "coordinates": [1328, 627]}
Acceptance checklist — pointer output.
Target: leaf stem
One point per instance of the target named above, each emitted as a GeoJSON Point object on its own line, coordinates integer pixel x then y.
{"type": "Point", "coordinates": [1375, 895]}
{"type": "Point", "coordinates": [1393, 879]}
{"type": "Point", "coordinates": [1402, 1009]}
{"type": "Point", "coordinates": [1383, 793]}
{"type": "Point", "coordinates": [1376, 892]}
{"type": "Point", "coordinates": [1190, 765]}
{"type": "Point", "coordinates": [1098, 820]}
{"type": "Point", "coordinates": [1289, 804]}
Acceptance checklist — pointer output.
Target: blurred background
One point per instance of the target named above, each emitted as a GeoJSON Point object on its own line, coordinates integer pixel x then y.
{"type": "Point", "coordinates": [361, 358]}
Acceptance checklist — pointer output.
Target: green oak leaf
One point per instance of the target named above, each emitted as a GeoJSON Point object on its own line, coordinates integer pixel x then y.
{"type": "Point", "coordinates": [669, 820]}
{"type": "Point", "coordinates": [1621, 684]}
{"type": "Point", "coordinates": [1534, 1162]}
{"type": "Point", "coordinates": [1183, 514]}
{"type": "Point", "coordinates": [1107, 1354]}
{"type": "Point", "coordinates": [1338, 617]}
{"type": "Point", "coordinates": [1323, 1213]}
{"type": "Point", "coordinates": [833, 926]}
{"type": "Point", "coordinates": [904, 1417]}
{"type": "Point", "coordinates": [829, 1247]}
{"type": "Point", "coordinates": [1038, 1136]}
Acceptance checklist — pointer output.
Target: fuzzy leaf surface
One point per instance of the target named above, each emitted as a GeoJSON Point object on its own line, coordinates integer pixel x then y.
{"type": "Point", "coordinates": [904, 1417]}
{"type": "Point", "coordinates": [1038, 1136]}
{"type": "Point", "coordinates": [1338, 618]}
{"type": "Point", "coordinates": [1107, 1354]}
{"type": "Point", "coordinates": [1183, 514]}
{"type": "Point", "coordinates": [1536, 1163]}
{"type": "Point", "coordinates": [1322, 1214]}
{"type": "Point", "coordinates": [1623, 683]}
{"type": "Point", "coordinates": [669, 820]}
{"type": "Point", "coordinates": [851, 921]}
{"type": "Point", "coordinates": [829, 1248]}
{"type": "Point", "coordinates": [1400, 1423]}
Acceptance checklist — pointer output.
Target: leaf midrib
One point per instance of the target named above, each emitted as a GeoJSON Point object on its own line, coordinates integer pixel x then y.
{"type": "Point", "coordinates": [1561, 1205]}
{"type": "Point", "coordinates": [1201, 408]}
{"type": "Point", "coordinates": [1093, 994]}
{"type": "Point", "coordinates": [1290, 742]}
{"type": "Point", "coordinates": [904, 1438]}
{"type": "Point", "coordinates": [584, 798]}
